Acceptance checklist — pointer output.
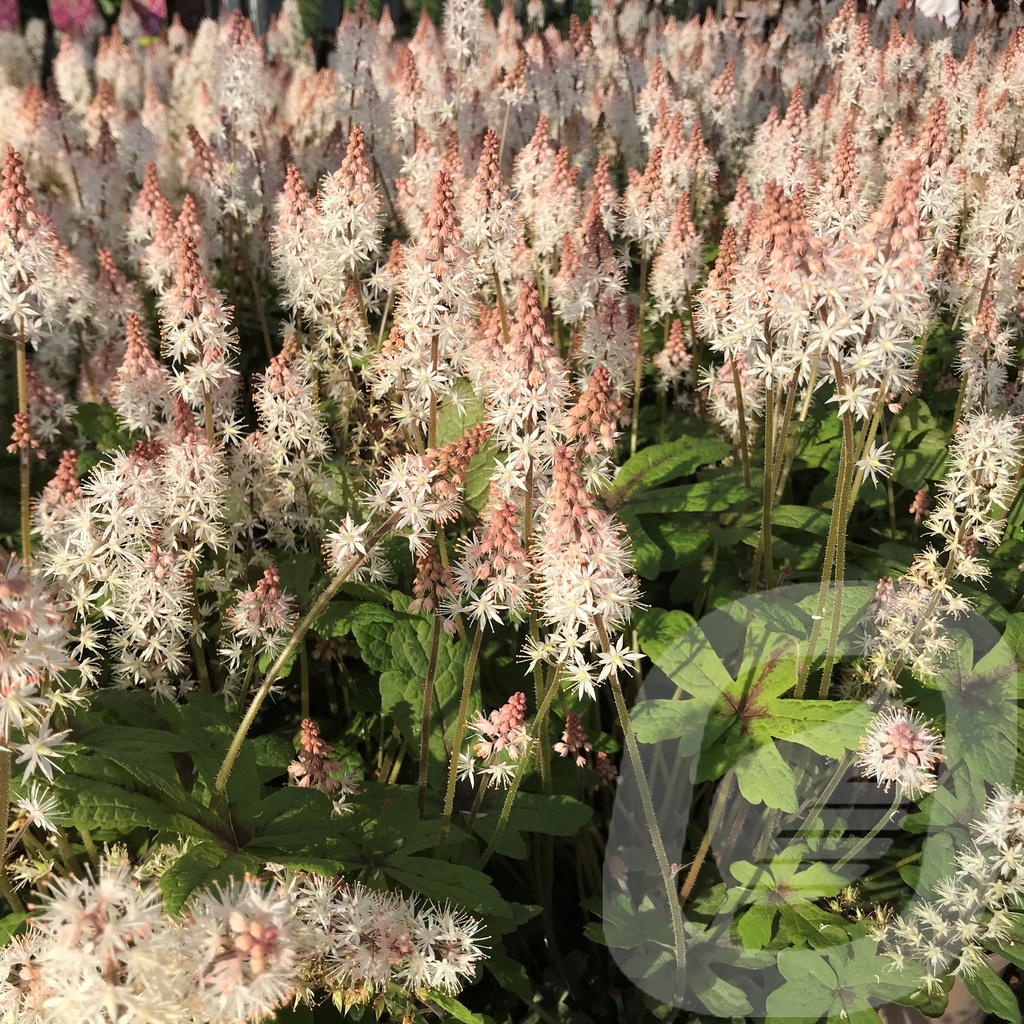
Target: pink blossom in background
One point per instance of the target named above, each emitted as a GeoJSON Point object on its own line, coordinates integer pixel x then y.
{"type": "Point", "coordinates": [9, 15]}
{"type": "Point", "coordinates": [71, 15]}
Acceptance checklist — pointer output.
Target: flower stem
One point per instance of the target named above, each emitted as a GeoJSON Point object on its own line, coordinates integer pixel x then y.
{"type": "Point", "coordinates": [358, 289]}
{"type": "Point", "coordinates": [896, 800]}
{"type": "Point", "coordinates": [66, 853]}
{"type": "Point", "coordinates": [303, 681]}
{"type": "Point", "coordinates": [837, 776]}
{"type": "Point", "coordinates": [794, 442]}
{"type": "Point", "coordinates": [831, 545]}
{"type": "Point", "coordinates": [763, 555]}
{"type": "Point", "coordinates": [211, 434]}
{"type": "Point", "coordinates": [638, 375]}
{"type": "Point", "coordinates": [744, 441]}
{"type": "Point", "coordinates": [501, 309]}
{"type": "Point", "coordinates": [244, 691]}
{"type": "Point", "coordinates": [428, 699]}
{"type": "Point", "coordinates": [714, 821]}
{"type": "Point", "coordinates": [261, 313]}
{"type": "Point", "coordinates": [432, 421]}
{"type": "Point", "coordinates": [667, 875]}
{"type": "Point", "coordinates": [780, 444]}
{"type": "Point", "coordinates": [6, 888]}
{"type": "Point", "coordinates": [460, 728]}
{"type": "Point", "coordinates": [282, 659]}
{"type": "Point", "coordinates": [90, 846]}
{"type": "Point", "coordinates": [842, 516]}
{"type": "Point", "coordinates": [504, 132]}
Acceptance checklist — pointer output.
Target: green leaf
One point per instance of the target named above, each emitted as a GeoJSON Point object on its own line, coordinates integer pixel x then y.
{"type": "Point", "coordinates": [721, 997]}
{"type": "Point", "coordinates": [453, 419]}
{"type": "Point", "coordinates": [9, 926]}
{"type": "Point", "coordinates": [87, 461]}
{"type": "Point", "coordinates": [311, 13]}
{"type": "Point", "coordinates": [828, 727]}
{"type": "Point", "coordinates": [809, 982]}
{"type": "Point", "coordinates": [764, 777]}
{"type": "Point", "coordinates": [656, 720]}
{"type": "Point", "coordinates": [100, 425]}
{"type": "Point", "coordinates": [682, 541]}
{"type": "Point", "coordinates": [458, 413]}
{"type": "Point", "coordinates": [716, 495]}
{"type": "Point", "coordinates": [810, 925]}
{"type": "Point", "coordinates": [409, 640]}
{"type": "Point", "coordinates": [111, 811]}
{"type": "Point", "coordinates": [198, 867]}
{"type": "Point", "coordinates": [452, 1006]}
{"type": "Point", "coordinates": [660, 463]}
{"type": "Point", "coordinates": [340, 617]}
{"type": "Point", "coordinates": [914, 418]}
{"type": "Point", "coordinates": [510, 974]}
{"type": "Point", "coordinates": [657, 630]}
{"type": "Point", "coordinates": [273, 751]}
{"type": "Point", "coordinates": [439, 880]}
{"type": "Point", "coordinates": [646, 553]}
{"type": "Point", "coordinates": [912, 468]}
{"type": "Point", "coordinates": [692, 663]}
{"type": "Point", "coordinates": [755, 927]}
{"type": "Point", "coordinates": [799, 517]}
{"type": "Point", "coordinates": [992, 994]}
{"type": "Point", "coordinates": [296, 569]}
{"type": "Point", "coordinates": [553, 814]}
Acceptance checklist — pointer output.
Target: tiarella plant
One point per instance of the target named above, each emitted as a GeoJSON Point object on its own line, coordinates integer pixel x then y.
{"type": "Point", "coordinates": [521, 522]}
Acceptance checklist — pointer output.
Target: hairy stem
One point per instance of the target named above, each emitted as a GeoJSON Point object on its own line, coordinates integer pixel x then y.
{"type": "Point", "coordinates": [6, 888]}
{"type": "Point", "coordinates": [638, 374]}
{"type": "Point", "coordinates": [667, 876]}
{"type": "Point", "coordinates": [896, 800]}
{"type": "Point", "coordinates": [460, 728]}
{"type": "Point", "coordinates": [841, 515]}
{"type": "Point", "coordinates": [721, 799]}
{"type": "Point", "coordinates": [428, 699]}
{"type": "Point", "coordinates": [744, 440]}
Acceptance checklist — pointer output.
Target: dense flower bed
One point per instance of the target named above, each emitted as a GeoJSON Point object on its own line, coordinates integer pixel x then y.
{"type": "Point", "coordinates": [490, 361]}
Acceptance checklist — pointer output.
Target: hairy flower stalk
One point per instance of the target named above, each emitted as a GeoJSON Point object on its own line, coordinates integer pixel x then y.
{"type": "Point", "coordinates": [650, 816]}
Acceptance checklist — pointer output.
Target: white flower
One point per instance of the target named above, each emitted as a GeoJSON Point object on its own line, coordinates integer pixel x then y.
{"type": "Point", "coordinates": [877, 462]}
{"type": "Point", "coordinates": [41, 809]}
{"type": "Point", "coordinates": [857, 400]}
{"type": "Point", "coordinates": [617, 659]}
{"type": "Point", "coordinates": [40, 751]}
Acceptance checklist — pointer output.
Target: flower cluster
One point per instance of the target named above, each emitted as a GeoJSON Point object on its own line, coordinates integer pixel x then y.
{"type": "Point", "coordinates": [103, 948]}
{"type": "Point", "coordinates": [901, 748]}
{"type": "Point", "coordinates": [501, 740]}
{"type": "Point", "coordinates": [314, 769]}
{"type": "Point", "coordinates": [970, 909]}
